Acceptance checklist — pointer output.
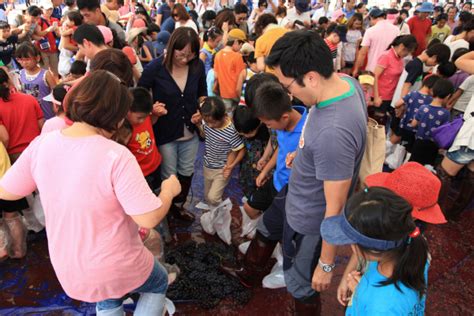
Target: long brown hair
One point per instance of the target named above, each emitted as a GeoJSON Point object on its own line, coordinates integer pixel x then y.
{"type": "Point", "coordinates": [100, 100]}
{"type": "Point", "coordinates": [181, 12]}
{"type": "Point", "coordinates": [181, 37]}
{"type": "Point", "coordinates": [115, 61]}
{"type": "Point", "coordinates": [355, 17]}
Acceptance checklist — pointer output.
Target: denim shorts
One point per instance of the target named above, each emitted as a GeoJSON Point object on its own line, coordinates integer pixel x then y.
{"type": "Point", "coordinates": [157, 283]}
{"type": "Point", "coordinates": [462, 156]}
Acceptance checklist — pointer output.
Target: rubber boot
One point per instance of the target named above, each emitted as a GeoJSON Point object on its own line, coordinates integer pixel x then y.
{"type": "Point", "coordinates": [251, 270]}
{"type": "Point", "coordinates": [177, 209]}
{"type": "Point", "coordinates": [464, 198]}
{"type": "Point", "coordinates": [310, 307]}
{"type": "Point", "coordinates": [446, 182]}
{"type": "Point", "coordinates": [17, 231]}
{"type": "Point", "coordinates": [4, 241]}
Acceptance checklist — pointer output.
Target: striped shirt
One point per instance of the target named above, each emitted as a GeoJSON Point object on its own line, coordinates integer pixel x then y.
{"type": "Point", "coordinates": [219, 142]}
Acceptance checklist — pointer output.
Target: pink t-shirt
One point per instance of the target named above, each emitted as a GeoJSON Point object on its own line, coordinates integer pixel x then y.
{"type": "Point", "coordinates": [388, 80]}
{"type": "Point", "coordinates": [89, 186]}
{"type": "Point", "coordinates": [54, 124]}
{"type": "Point", "coordinates": [378, 38]}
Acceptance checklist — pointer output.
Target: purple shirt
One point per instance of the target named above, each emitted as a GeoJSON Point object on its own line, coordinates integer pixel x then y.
{"type": "Point", "coordinates": [38, 88]}
{"type": "Point", "coordinates": [430, 117]}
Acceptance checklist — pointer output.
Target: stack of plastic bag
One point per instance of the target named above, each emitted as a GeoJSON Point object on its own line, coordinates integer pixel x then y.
{"type": "Point", "coordinates": [217, 220]}
{"type": "Point", "coordinates": [249, 226]}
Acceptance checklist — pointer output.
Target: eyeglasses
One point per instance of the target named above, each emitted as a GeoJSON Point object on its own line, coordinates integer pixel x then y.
{"type": "Point", "coordinates": [186, 55]}
{"type": "Point", "coordinates": [287, 87]}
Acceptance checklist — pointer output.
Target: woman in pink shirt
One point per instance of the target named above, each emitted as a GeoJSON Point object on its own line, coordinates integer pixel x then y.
{"type": "Point", "coordinates": [95, 197]}
{"type": "Point", "coordinates": [387, 73]}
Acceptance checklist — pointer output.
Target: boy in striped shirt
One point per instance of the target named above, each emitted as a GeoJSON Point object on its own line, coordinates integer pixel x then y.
{"type": "Point", "coordinates": [224, 148]}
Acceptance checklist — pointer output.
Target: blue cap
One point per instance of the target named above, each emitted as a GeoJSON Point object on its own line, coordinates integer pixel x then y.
{"type": "Point", "coordinates": [337, 230]}
{"type": "Point", "coordinates": [376, 13]}
{"type": "Point", "coordinates": [426, 7]}
{"type": "Point", "coordinates": [302, 5]}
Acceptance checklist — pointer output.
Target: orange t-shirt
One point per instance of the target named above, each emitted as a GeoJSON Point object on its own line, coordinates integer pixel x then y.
{"type": "Point", "coordinates": [228, 65]}
{"type": "Point", "coordinates": [143, 146]}
{"type": "Point", "coordinates": [264, 43]}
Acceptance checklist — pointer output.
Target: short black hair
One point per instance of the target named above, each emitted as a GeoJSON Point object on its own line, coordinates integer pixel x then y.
{"type": "Point", "coordinates": [458, 53]}
{"type": "Point", "coordinates": [254, 83]}
{"type": "Point", "coordinates": [465, 17]}
{"type": "Point", "coordinates": [34, 11]}
{"type": "Point", "coordinates": [89, 5]}
{"type": "Point", "coordinates": [439, 9]}
{"type": "Point", "coordinates": [402, 11]}
{"type": "Point", "coordinates": [75, 16]}
{"type": "Point", "coordinates": [430, 81]}
{"type": "Point", "coordinates": [299, 52]}
{"type": "Point", "coordinates": [407, 4]}
{"type": "Point", "coordinates": [442, 16]}
{"type": "Point", "coordinates": [78, 67]}
{"type": "Point", "coordinates": [213, 107]}
{"type": "Point", "coordinates": [152, 28]}
{"type": "Point", "coordinates": [442, 88]}
{"type": "Point", "coordinates": [26, 50]}
{"type": "Point", "coordinates": [441, 51]}
{"type": "Point", "coordinates": [239, 8]}
{"type": "Point", "coordinates": [446, 70]}
{"type": "Point", "coordinates": [245, 120]}
{"type": "Point", "coordinates": [89, 32]}
{"type": "Point", "coordinates": [271, 101]}
{"type": "Point", "coordinates": [69, 2]}
{"type": "Point", "coordinates": [4, 25]}
{"type": "Point", "coordinates": [323, 20]}
{"type": "Point", "coordinates": [469, 26]}
{"type": "Point", "coordinates": [142, 100]}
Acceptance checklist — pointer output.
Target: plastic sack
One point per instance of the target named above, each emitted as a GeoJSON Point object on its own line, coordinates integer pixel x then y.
{"type": "Point", "coordinates": [275, 279]}
{"type": "Point", "coordinates": [34, 216]}
{"type": "Point", "coordinates": [395, 160]}
{"type": "Point", "coordinates": [218, 220]}
{"type": "Point", "coordinates": [244, 246]}
{"type": "Point", "coordinates": [249, 226]}
{"type": "Point", "coordinates": [169, 307]}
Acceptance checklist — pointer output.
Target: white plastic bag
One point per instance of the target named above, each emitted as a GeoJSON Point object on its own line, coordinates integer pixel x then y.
{"type": "Point", "coordinates": [218, 220]}
{"type": "Point", "coordinates": [244, 246]}
{"type": "Point", "coordinates": [249, 226]}
{"type": "Point", "coordinates": [275, 279]}
{"type": "Point", "coordinates": [395, 160]}
{"type": "Point", "coordinates": [34, 216]}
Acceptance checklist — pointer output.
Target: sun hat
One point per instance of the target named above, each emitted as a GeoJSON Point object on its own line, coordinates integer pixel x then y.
{"type": "Point", "coordinates": [237, 34]}
{"type": "Point", "coordinates": [337, 14]}
{"type": "Point", "coordinates": [133, 33]}
{"type": "Point", "coordinates": [106, 33]}
{"type": "Point", "coordinates": [337, 230]}
{"type": "Point", "coordinates": [138, 23]}
{"type": "Point", "coordinates": [426, 7]}
{"type": "Point", "coordinates": [417, 185]}
{"type": "Point", "coordinates": [366, 79]}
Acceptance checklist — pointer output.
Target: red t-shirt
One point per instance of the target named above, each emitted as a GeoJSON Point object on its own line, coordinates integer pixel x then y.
{"type": "Point", "coordinates": [420, 29]}
{"type": "Point", "coordinates": [20, 117]}
{"type": "Point", "coordinates": [143, 146]}
{"type": "Point", "coordinates": [44, 24]}
{"type": "Point", "coordinates": [388, 80]}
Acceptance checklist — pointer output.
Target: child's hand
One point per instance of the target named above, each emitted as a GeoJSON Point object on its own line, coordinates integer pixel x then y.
{"type": "Point", "coordinates": [65, 31]}
{"type": "Point", "coordinates": [159, 109]}
{"type": "Point", "coordinates": [196, 118]}
{"type": "Point", "coordinates": [343, 292]}
{"type": "Point", "coordinates": [289, 159]}
{"type": "Point", "coordinates": [261, 163]}
{"type": "Point", "coordinates": [225, 27]}
{"type": "Point", "coordinates": [261, 179]}
{"type": "Point", "coordinates": [353, 279]}
{"type": "Point", "coordinates": [227, 171]}
{"type": "Point", "coordinates": [378, 101]}
{"type": "Point", "coordinates": [399, 111]}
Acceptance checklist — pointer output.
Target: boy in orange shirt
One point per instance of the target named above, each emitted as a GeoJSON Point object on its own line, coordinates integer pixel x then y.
{"type": "Point", "coordinates": [228, 65]}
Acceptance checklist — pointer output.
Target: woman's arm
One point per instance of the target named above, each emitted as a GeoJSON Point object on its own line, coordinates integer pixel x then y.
{"type": "Point", "coordinates": [466, 62]}
{"type": "Point", "coordinates": [377, 73]}
{"type": "Point", "coordinates": [147, 57]}
{"type": "Point", "coordinates": [240, 81]}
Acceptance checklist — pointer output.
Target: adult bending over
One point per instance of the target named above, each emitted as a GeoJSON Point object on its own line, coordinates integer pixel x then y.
{"type": "Point", "coordinates": [94, 197]}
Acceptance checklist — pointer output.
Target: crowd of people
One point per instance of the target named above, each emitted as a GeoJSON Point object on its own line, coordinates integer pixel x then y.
{"type": "Point", "coordinates": [104, 105]}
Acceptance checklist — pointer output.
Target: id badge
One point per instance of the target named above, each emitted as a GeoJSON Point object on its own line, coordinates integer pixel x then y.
{"type": "Point", "coordinates": [44, 44]}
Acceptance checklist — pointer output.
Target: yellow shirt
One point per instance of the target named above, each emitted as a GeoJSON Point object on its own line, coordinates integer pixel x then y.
{"type": "Point", "coordinates": [440, 33]}
{"type": "Point", "coordinates": [4, 160]}
{"type": "Point", "coordinates": [264, 43]}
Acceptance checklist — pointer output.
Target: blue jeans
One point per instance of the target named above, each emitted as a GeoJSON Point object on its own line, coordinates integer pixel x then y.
{"type": "Point", "coordinates": [179, 157]}
{"type": "Point", "coordinates": [462, 156]}
{"type": "Point", "coordinates": [152, 298]}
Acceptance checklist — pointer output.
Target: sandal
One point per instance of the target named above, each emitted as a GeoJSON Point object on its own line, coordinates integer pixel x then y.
{"type": "Point", "coordinates": [17, 231]}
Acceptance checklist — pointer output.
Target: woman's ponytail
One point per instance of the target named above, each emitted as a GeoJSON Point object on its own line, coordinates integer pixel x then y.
{"type": "Point", "coordinates": [409, 41]}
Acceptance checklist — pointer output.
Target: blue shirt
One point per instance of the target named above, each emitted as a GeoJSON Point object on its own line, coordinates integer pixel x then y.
{"type": "Point", "coordinates": [168, 25]}
{"type": "Point", "coordinates": [413, 101]}
{"type": "Point", "coordinates": [372, 299]}
{"type": "Point", "coordinates": [287, 143]}
{"type": "Point", "coordinates": [430, 117]}
{"type": "Point", "coordinates": [165, 12]}
{"type": "Point", "coordinates": [180, 105]}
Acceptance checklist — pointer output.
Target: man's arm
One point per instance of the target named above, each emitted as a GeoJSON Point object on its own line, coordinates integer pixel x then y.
{"type": "Point", "coordinates": [360, 59]}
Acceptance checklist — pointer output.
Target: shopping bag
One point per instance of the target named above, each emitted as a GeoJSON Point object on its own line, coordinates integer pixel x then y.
{"type": "Point", "coordinates": [218, 220]}
{"type": "Point", "coordinates": [445, 134]}
{"type": "Point", "coordinates": [249, 226]}
{"type": "Point", "coordinates": [396, 159]}
{"type": "Point", "coordinates": [374, 155]}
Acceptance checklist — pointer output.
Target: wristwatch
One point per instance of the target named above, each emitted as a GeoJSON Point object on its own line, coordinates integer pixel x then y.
{"type": "Point", "coordinates": [326, 267]}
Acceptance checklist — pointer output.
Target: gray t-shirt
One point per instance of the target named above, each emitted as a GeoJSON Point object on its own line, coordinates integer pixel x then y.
{"type": "Point", "coordinates": [331, 149]}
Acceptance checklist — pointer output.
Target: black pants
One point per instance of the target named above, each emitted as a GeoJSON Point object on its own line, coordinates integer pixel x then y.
{"type": "Point", "coordinates": [424, 152]}
{"type": "Point", "coordinates": [13, 206]}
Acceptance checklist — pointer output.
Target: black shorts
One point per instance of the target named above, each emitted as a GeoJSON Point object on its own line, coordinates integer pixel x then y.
{"type": "Point", "coordinates": [408, 139]}
{"type": "Point", "coordinates": [13, 206]}
{"type": "Point", "coordinates": [262, 197]}
{"type": "Point", "coordinates": [424, 152]}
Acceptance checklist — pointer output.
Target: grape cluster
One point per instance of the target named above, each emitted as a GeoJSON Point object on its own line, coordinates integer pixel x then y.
{"type": "Point", "coordinates": [201, 279]}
